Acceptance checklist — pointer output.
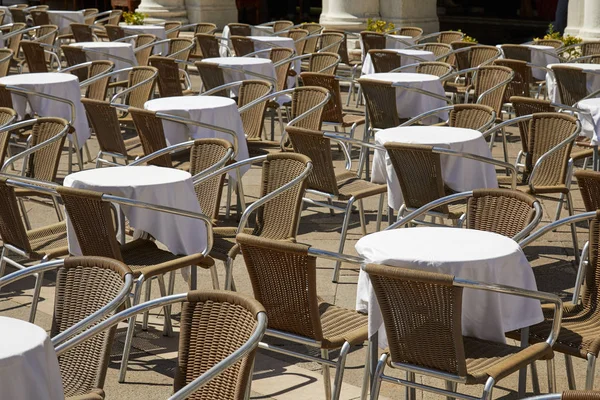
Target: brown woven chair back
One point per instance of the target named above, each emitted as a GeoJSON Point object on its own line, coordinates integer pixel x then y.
{"type": "Point", "coordinates": [82, 32]}
{"type": "Point", "coordinates": [212, 77]}
{"type": "Point", "coordinates": [589, 186]}
{"type": "Point", "coordinates": [419, 172]}
{"type": "Point", "coordinates": [590, 48]}
{"type": "Point", "coordinates": [525, 106]}
{"type": "Point", "coordinates": [284, 280]}
{"type": "Point", "coordinates": [204, 154]}
{"type": "Point", "coordinates": [571, 83]}
{"type": "Point", "coordinates": [411, 31]}
{"type": "Point", "coordinates": [438, 49]}
{"type": "Point", "coordinates": [5, 97]}
{"type": "Point", "coordinates": [7, 115]}
{"type": "Point", "coordinates": [214, 325]}
{"type": "Point", "coordinates": [236, 29]}
{"type": "Point", "coordinates": [488, 77]}
{"type": "Point", "coordinates": [590, 292]}
{"type": "Point", "coordinates": [92, 221]}
{"type": "Point", "coordinates": [18, 15]}
{"type": "Point", "coordinates": [205, 27]}
{"type": "Point", "coordinates": [253, 118]}
{"type": "Point", "coordinates": [5, 57]}
{"type": "Point", "coordinates": [333, 39]}
{"type": "Point", "coordinates": [83, 286]}
{"type": "Point", "coordinates": [422, 317]}
{"type": "Point", "coordinates": [105, 122]}
{"type": "Point", "coordinates": [14, 43]}
{"type": "Point", "coordinates": [325, 63]}
{"type": "Point", "coordinates": [208, 44]}
{"type": "Point", "coordinates": [317, 147]}
{"type": "Point", "coordinates": [40, 17]}
{"type": "Point", "coordinates": [143, 55]}
{"type": "Point", "coordinates": [114, 32]}
{"type": "Point", "coordinates": [152, 136]}
{"type": "Point", "coordinates": [297, 35]}
{"type": "Point", "coordinates": [169, 25]}
{"type": "Point", "coordinates": [43, 164]}
{"type": "Point", "coordinates": [519, 86]}
{"type": "Point", "coordinates": [460, 60]}
{"type": "Point", "coordinates": [380, 98]}
{"type": "Point", "coordinates": [516, 52]}
{"type": "Point", "coordinates": [580, 395]}
{"type": "Point", "coordinates": [303, 100]}
{"type": "Point", "coordinates": [141, 94]}
{"type": "Point", "coordinates": [448, 37]}
{"type": "Point", "coordinates": [12, 228]}
{"type": "Point", "coordinates": [372, 41]}
{"type": "Point", "coordinates": [179, 48]}
{"type": "Point", "coordinates": [334, 107]}
{"type": "Point", "coordinates": [169, 83]}
{"type": "Point", "coordinates": [281, 71]}
{"type": "Point", "coordinates": [470, 116]}
{"type": "Point", "coordinates": [97, 90]}
{"type": "Point", "coordinates": [114, 17]}
{"type": "Point", "coordinates": [502, 211]}
{"type": "Point", "coordinates": [547, 130]}
{"type": "Point", "coordinates": [242, 45]}
{"type": "Point", "coordinates": [343, 50]}
{"type": "Point", "coordinates": [436, 68]}
{"type": "Point", "coordinates": [34, 56]}
{"type": "Point", "coordinates": [550, 42]}
{"type": "Point", "coordinates": [385, 60]}
{"type": "Point", "coordinates": [76, 56]}
{"type": "Point", "coordinates": [46, 34]}
{"type": "Point", "coordinates": [481, 55]}
{"type": "Point", "coordinates": [281, 25]}
{"type": "Point", "coordinates": [2, 15]}
{"type": "Point", "coordinates": [88, 15]}
{"type": "Point", "coordinates": [311, 43]}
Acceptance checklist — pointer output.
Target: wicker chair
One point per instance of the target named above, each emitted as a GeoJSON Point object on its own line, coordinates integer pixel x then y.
{"type": "Point", "coordinates": [436, 68]}
{"type": "Point", "coordinates": [253, 116]}
{"type": "Point", "coordinates": [212, 77]}
{"type": "Point", "coordinates": [469, 56]}
{"type": "Point", "coordinates": [82, 32]}
{"type": "Point", "coordinates": [345, 187]}
{"type": "Point", "coordinates": [550, 42]}
{"type": "Point", "coordinates": [468, 116]}
{"type": "Point", "coordinates": [180, 48]}
{"type": "Point", "coordinates": [236, 29]}
{"type": "Point", "coordinates": [40, 17]}
{"type": "Point", "coordinates": [202, 28]}
{"type": "Point", "coordinates": [14, 34]}
{"type": "Point", "coordinates": [284, 277]}
{"type": "Point", "coordinates": [208, 45]}
{"type": "Point", "coordinates": [571, 84]}
{"type": "Point", "coordinates": [172, 28]}
{"type": "Point", "coordinates": [415, 347]}
{"type": "Point", "coordinates": [313, 30]}
{"type": "Point", "coordinates": [27, 245]}
{"type": "Point", "coordinates": [569, 395]}
{"type": "Point", "coordinates": [89, 15]}
{"type": "Point", "coordinates": [372, 41]}
{"type": "Point", "coordinates": [114, 32]}
{"type": "Point", "coordinates": [92, 221]}
{"type": "Point", "coordinates": [7, 116]}
{"type": "Point", "coordinates": [169, 77]}
{"type": "Point", "coordinates": [439, 50]}
{"type": "Point", "coordinates": [298, 35]}
{"type": "Point", "coordinates": [6, 56]}
{"type": "Point", "coordinates": [105, 123]}
{"type": "Point", "coordinates": [134, 95]}
{"type": "Point", "coordinates": [516, 52]}
{"type": "Point", "coordinates": [242, 45]}
{"type": "Point", "coordinates": [278, 57]}
{"type": "Point", "coordinates": [331, 41]}
{"type": "Point", "coordinates": [448, 37]}
{"type": "Point", "coordinates": [324, 63]}
{"type": "Point", "coordinates": [411, 31]}
{"type": "Point", "coordinates": [279, 26]}
{"type": "Point", "coordinates": [91, 283]}
{"type": "Point", "coordinates": [385, 60]}
{"type": "Point", "coordinates": [521, 83]}
{"type": "Point", "coordinates": [380, 98]}
{"type": "Point", "coordinates": [589, 186]}
{"type": "Point", "coordinates": [35, 57]}
{"type": "Point", "coordinates": [18, 14]}
{"type": "Point", "coordinates": [142, 50]}
{"type": "Point", "coordinates": [75, 56]}
{"type": "Point", "coordinates": [98, 89]}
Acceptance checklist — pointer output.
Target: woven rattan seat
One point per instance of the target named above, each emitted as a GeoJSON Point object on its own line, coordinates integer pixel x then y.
{"type": "Point", "coordinates": [313, 29]}
{"type": "Point", "coordinates": [297, 35]}
{"type": "Point", "coordinates": [180, 49]}
{"type": "Point", "coordinates": [82, 32]}
{"type": "Point", "coordinates": [436, 68]}
{"type": "Point", "coordinates": [380, 99]}
{"type": "Point", "coordinates": [281, 25]}
{"type": "Point", "coordinates": [202, 28]}
{"type": "Point", "coordinates": [114, 32]}
{"type": "Point", "coordinates": [438, 49]}
{"type": "Point", "coordinates": [212, 77]}
{"type": "Point", "coordinates": [385, 60]}
{"type": "Point", "coordinates": [7, 115]}
{"type": "Point", "coordinates": [237, 29]}
{"type": "Point", "coordinates": [571, 84]}
{"type": "Point", "coordinates": [34, 56]}
{"type": "Point", "coordinates": [331, 41]}
{"type": "Point", "coordinates": [372, 41]}
{"type": "Point", "coordinates": [324, 62]}
{"type": "Point", "coordinates": [242, 45]}
{"type": "Point", "coordinates": [208, 44]}
{"type": "Point", "coordinates": [49, 241]}
{"type": "Point", "coordinates": [448, 37]}
{"type": "Point", "coordinates": [516, 52]}
{"type": "Point", "coordinates": [140, 94]}
{"type": "Point", "coordinates": [521, 82]}
{"type": "Point", "coordinates": [143, 54]}
{"type": "Point", "coordinates": [169, 76]}
{"type": "Point", "coordinates": [173, 26]}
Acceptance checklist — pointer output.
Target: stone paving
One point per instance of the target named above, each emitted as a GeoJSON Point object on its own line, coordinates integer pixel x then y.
{"type": "Point", "coordinates": [153, 358]}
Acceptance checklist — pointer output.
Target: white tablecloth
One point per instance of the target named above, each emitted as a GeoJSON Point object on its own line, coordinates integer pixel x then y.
{"type": "Point", "coordinates": [593, 81]}
{"type": "Point", "coordinates": [590, 123]}
{"type": "Point", "coordinates": [255, 30]}
{"type": "Point", "coordinates": [459, 173]}
{"type": "Point", "coordinates": [28, 364]}
{"type": "Point", "coordinates": [410, 104]}
{"type": "Point", "coordinates": [407, 56]}
{"type": "Point", "coordinates": [267, 42]}
{"type": "Point", "coordinates": [156, 30]}
{"type": "Point", "coordinates": [65, 86]}
{"type": "Point", "coordinates": [390, 43]}
{"type": "Point", "coordinates": [541, 58]}
{"type": "Point", "coordinates": [464, 253]}
{"type": "Point", "coordinates": [215, 110]}
{"type": "Point", "coordinates": [151, 184]}
{"type": "Point", "coordinates": [63, 19]}
{"type": "Point", "coordinates": [7, 15]}
{"type": "Point", "coordinates": [123, 50]}
{"type": "Point", "coordinates": [261, 66]}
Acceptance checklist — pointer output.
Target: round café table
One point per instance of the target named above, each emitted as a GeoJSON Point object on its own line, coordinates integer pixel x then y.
{"type": "Point", "coordinates": [63, 19]}
{"type": "Point", "coordinates": [243, 68]}
{"type": "Point", "coordinates": [541, 59]}
{"type": "Point", "coordinates": [407, 56]}
{"type": "Point", "coordinates": [124, 51]}
{"type": "Point", "coordinates": [467, 254]}
{"type": "Point", "coordinates": [156, 30]}
{"type": "Point", "coordinates": [460, 174]}
{"type": "Point", "coordinates": [258, 30]}
{"type": "Point", "coordinates": [28, 364]}
{"type": "Point", "coordinates": [57, 84]}
{"type": "Point", "coordinates": [592, 80]}
{"type": "Point", "coordinates": [268, 42]}
{"type": "Point", "coordinates": [214, 110]}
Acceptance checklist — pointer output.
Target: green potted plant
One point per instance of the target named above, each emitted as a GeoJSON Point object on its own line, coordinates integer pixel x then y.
{"type": "Point", "coordinates": [134, 18]}
{"type": "Point", "coordinates": [380, 26]}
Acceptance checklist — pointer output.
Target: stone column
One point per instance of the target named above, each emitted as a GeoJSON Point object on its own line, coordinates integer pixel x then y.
{"type": "Point", "coordinates": [220, 12]}
{"type": "Point", "coordinates": [163, 10]}
{"type": "Point", "coordinates": [421, 13]}
{"type": "Point", "coordinates": [591, 20]}
{"type": "Point", "coordinates": [575, 17]}
{"type": "Point", "coordinates": [350, 15]}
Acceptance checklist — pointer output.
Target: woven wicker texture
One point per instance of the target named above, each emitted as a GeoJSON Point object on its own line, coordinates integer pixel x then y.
{"type": "Point", "coordinates": [253, 118]}
{"type": "Point", "coordinates": [448, 37]}
{"type": "Point", "coordinates": [114, 32]}
{"type": "Point", "coordinates": [43, 164]}
{"type": "Point", "coordinates": [242, 45]}
{"type": "Point", "coordinates": [311, 43]}
{"type": "Point", "coordinates": [5, 98]}
{"type": "Point", "coordinates": [436, 68]}
{"type": "Point", "coordinates": [580, 395]}
{"type": "Point", "coordinates": [385, 60]}
{"type": "Point", "coordinates": [83, 286]}
{"type": "Point", "coordinates": [40, 17]}
{"type": "Point", "coordinates": [516, 52]}
{"type": "Point", "coordinates": [488, 77]}
{"type": "Point", "coordinates": [141, 94]}
{"type": "Point", "coordinates": [5, 65]}
{"type": "Point", "coordinates": [438, 49]}
{"type": "Point", "coordinates": [460, 60]}
{"type": "Point", "coordinates": [18, 15]}
{"type": "Point", "coordinates": [343, 49]}
{"type": "Point", "coordinates": [571, 83]}
{"type": "Point", "coordinates": [34, 56]}
{"type": "Point", "coordinates": [297, 35]}
{"type": "Point", "coordinates": [502, 211]}
{"type": "Point", "coordinates": [82, 32]}
{"type": "Point", "coordinates": [333, 39]}
{"type": "Point", "coordinates": [2, 15]}
{"type": "Point", "coordinates": [46, 34]}
{"type": "Point", "coordinates": [236, 29]}
{"type": "Point", "coordinates": [469, 116]}
{"type": "Point", "coordinates": [419, 172]}
{"type": "Point", "coordinates": [380, 98]}
{"type": "Point", "coordinates": [325, 63]}
{"type": "Point", "coordinates": [480, 55]}
{"type": "Point", "coordinates": [214, 325]}
{"type": "Point", "coordinates": [550, 42]}
{"type": "Point", "coordinates": [519, 86]}
{"type": "Point", "coordinates": [525, 106]}
{"type": "Point", "coordinates": [170, 25]}
{"type": "Point", "coordinates": [372, 41]}
{"type": "Point", "coordinates": [589, 186]}
{"type": "Point", "coordinates": [12, 229]}
{"type": "Point", "coordinates": [590, 48]}
{"type": "Point", "coordinates": [88, 14]}
{"type": "Point", "coordinates": [212, 77]}
{"type": "Point", "coordinates": [205, 27]}
{"type": "Point", "coordinates": [281, 71]}
{"type": "Point", "coordinates": [284, 281]}
{"type": "Point", "coordinates": [304, 99]}
{"type": "Point", "coordinates": [169, 83]}
{"type": "Point", "coordinates": [281, 25]}
{"type": "Point", "coordinates": [152, 135]}
{"type": "Point", "coordinates": [207, 45]}
{"type": "Point", "coordinates": [143, 55]}
{"type": "Point", "coordinates": [97, 90]}
{"type": "Point", "coordinates": [180, 48]}
{"type": "Point", "coordinates": [14, 43]}
{"type": "Point", "coordinates": [6, 115]}
{"type": "Point", "coordinates": [411, 31]}
{"type": "Point", "coordinates": [75, 56]}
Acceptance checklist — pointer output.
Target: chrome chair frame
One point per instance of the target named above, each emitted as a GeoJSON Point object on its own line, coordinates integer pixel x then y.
{"type": "Point", "coordinates": [429, 113]}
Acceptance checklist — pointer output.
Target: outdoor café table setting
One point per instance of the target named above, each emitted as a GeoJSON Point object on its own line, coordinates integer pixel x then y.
{"type": "Point", "coordinates": [460, 174]}
{"type": "Point", "coordinates": [592, 80]}
{"type": "Point", "coordinates": [242, 68]}
{"type": "Point", "coordinates": [391, 43]}
{"type": "Point", "coordinates": [268, 42]}
{"type": "Point", "coordinates": [28, 363]}
{"type": "Point", "coordinates": [258, 30]}
{"type": "Point", "coordinates": [63, 19]}
{"type": "Point", "coordinates": [541, 56]}
{"type": "Point", "coordinates": [467, 254]}
{"type": "Point", "coordinates": [156, 30]}
{"type": "Point", "coordinates": [407, 56]}
{"type": "Point", "coordinates": [65, 86]}
{"type": "Point", "coordinates": [124, 52]}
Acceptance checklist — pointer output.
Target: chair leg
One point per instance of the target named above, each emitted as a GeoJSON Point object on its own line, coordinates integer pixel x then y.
{"type": "Point", "coordinates": [570, 372]}
{"type": "Point", "coordinates": [25, 215]}
{"type": "Point", "coordinates": [411, 393]}
{"type": "Point", "coordinates": [379, 212]}
{"type": "Point", "coordinates": [367, 373]}
{"type": "Point", "coordinates": [130, 330]}
{"type": "Point", "coordinates": [488, 389]}
{"type": "Point", "coordinates": [361, 214]}
{"type": "Point", "coordinates": [551, 376]}
{"type": "Point", "coordinates": [591, 371]}
{"type": "Point", "coordinates": [147, 295]}
{"type": "Point", "coordinates": [348, 213]}
{"type": "Point", "coordinates": [377, 376]}
{"type": "Point", "coordinates": [390, 215]}
{"type": "Point", "coordinates": [330, 202]}
{"type": "Point", "coordinates": [215, 277]}
{"type": "Point", "coordinates": [561, 201]}
{"type": "Point", "coordinates": [167, 325]}
{"type": "Point", "coordinates": [339, 371]}
{"type": "Point", "coordinates": [59, 214]}
{"type": "Point", "coordinates": [193, 284]}
{"type": "Point", "coordinates": [535, 383]}
{"type": "Point", "coordinates": [39, 280]}
{"type": "Point", "coordinates": [326, 375]}
{"type": "Point", "coordinates": [2, 262]}
{"type": "Point", "coordinates": [451, 387]}
{"type": "Point", "coordinates": [573, 228]}
{"type": "Point", "coordinates": [228, 199]}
